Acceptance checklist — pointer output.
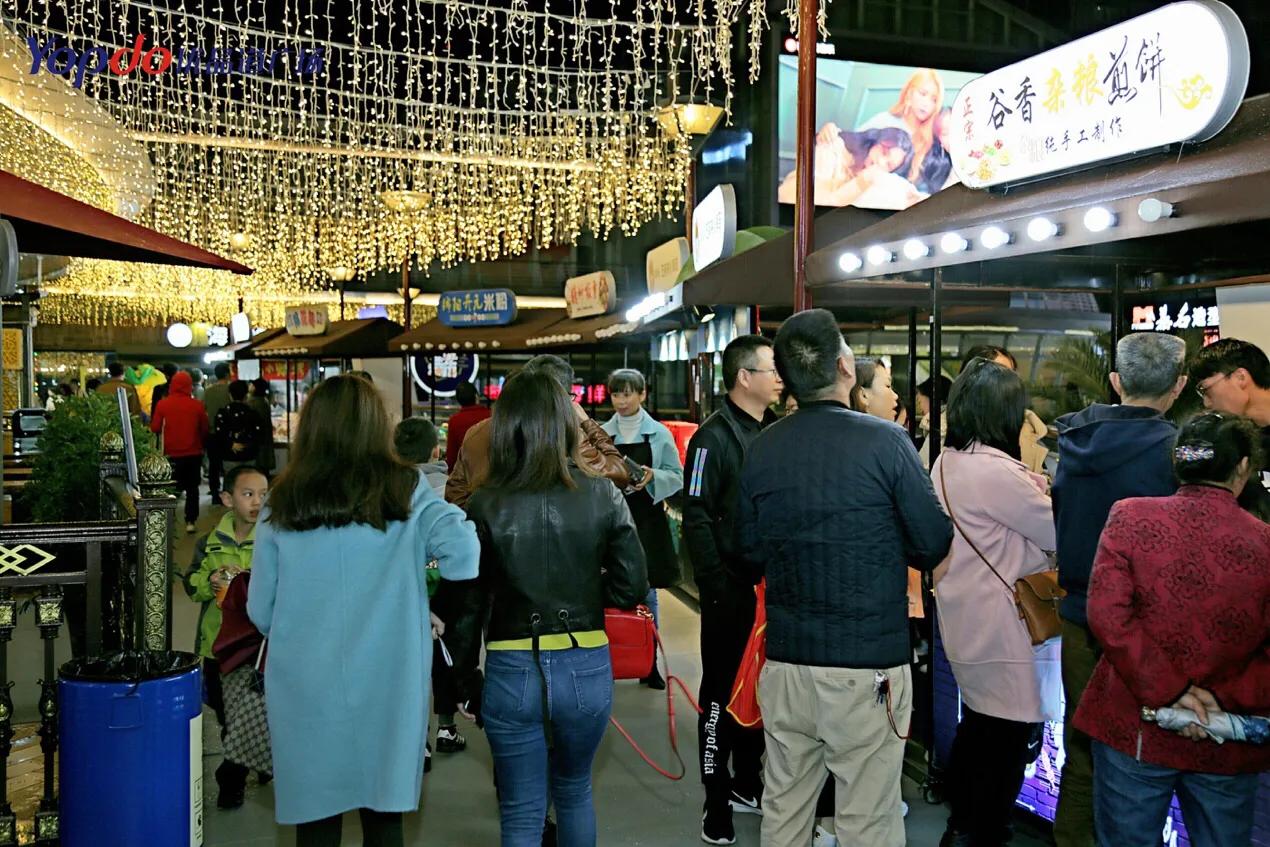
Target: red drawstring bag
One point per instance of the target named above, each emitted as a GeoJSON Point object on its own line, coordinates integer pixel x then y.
{"type": "Point", "coordinates": [632, 641]}
{"type": "Point", "coordinates": [744, 704]}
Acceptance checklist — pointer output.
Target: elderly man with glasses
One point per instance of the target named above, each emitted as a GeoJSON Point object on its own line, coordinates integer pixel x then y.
{"type": "Point", "coordinates": [1233, 376]}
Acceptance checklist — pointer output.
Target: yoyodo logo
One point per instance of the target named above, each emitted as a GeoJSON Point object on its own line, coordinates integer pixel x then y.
{"type": "Point", "coordinates": [76, 65]}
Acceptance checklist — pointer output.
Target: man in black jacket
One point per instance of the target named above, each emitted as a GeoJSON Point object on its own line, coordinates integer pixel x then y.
{"type": "Point", "coordinates": [1105, 454]}
{"type": "Point", "coordinates": [711, 473]}
{"type": "Point", "coordinates": [833, 508]}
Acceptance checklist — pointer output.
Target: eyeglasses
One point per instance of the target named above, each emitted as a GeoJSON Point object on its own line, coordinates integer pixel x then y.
{"type": "Point", "coordinates": [760, 370]}
{"type": "Point", "coordinates": [1202, 390]}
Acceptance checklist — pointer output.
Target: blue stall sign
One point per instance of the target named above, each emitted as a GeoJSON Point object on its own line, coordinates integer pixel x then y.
{"type": "Point", "coordinates": [485, 307]}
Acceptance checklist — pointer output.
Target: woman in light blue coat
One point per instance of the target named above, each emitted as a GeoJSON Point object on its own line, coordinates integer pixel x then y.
{"type": "Point", "coordinates": [338, 587]}
{"type": "Point", "coordinates": [650, 445]}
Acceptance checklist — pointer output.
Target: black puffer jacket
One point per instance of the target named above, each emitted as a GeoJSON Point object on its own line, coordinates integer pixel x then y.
{"type": "Point", "coordinates": [551, 561]}
{"type": "Point", "coordinates": [833, 508]}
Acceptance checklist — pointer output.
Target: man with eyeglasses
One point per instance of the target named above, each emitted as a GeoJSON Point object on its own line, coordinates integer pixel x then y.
{"type": "Point", "coordinates": [731, 756]}
{"type": "Point", "coordinates": [1233, 376]}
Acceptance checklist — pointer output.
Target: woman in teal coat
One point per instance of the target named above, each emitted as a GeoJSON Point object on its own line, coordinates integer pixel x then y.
{"type": "Point", "coordinates": [649, 444]}
{"type": "Point", "coordinates": [338, 587]}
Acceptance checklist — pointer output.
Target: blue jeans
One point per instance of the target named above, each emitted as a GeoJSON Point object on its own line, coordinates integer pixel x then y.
{"type": "Point", "coordinates": [1132, 798]}
{"type": "Point", "coordinates": [651, 602]}
{"type": "Point", "coordinates": [579, 699]}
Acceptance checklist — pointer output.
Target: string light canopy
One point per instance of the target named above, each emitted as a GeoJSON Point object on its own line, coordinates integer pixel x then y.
{"type": "Point", "coordinates": [301, 135]}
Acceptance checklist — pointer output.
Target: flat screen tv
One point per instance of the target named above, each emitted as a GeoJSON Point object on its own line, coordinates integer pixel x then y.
{"type": "Point", "coordinates": [878, 132]}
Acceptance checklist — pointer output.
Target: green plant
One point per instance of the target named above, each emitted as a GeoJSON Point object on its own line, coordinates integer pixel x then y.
{"type": "Point", "coordinates": [1077, 374]}
{"type": "Point", "coordinates": [65, 481]}
{"type": "Point", "coordinates": [1074, 375]}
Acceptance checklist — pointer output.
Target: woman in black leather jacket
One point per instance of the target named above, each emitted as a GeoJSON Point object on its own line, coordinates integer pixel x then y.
{"type": "Point", "coordinates": [557, 547]}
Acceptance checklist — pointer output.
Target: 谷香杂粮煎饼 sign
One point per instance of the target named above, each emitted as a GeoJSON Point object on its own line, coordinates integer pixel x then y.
{"type": "Point", "coordinates": [1177, 74]}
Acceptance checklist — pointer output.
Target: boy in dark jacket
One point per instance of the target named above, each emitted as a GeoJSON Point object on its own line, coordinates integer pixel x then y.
{"type": "Point", "coordinates": [1106, 454]}
{"type": "Point", "coordinates": [239, 430]}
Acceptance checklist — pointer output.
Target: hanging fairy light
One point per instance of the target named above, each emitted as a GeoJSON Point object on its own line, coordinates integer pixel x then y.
{"type": "Point", "coordinates": [440, 131]}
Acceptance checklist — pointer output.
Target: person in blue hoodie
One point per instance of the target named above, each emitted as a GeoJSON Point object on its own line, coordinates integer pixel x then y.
{"type": "Point", "coordinates": [1105, 454]}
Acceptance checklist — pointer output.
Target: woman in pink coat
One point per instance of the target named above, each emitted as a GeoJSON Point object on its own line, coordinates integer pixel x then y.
{"type": "Point", "coordinates": [1004, 522]}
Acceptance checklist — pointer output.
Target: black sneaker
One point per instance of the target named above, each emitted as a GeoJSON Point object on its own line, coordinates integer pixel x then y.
{"type": "Point", "coordinates": [716, 825]}
{"type": "Point", "coordinates": [230, 798]}
{"type": "Point", "coordinates": [449, 740]}
{"type": "Point", "coordinates": [654, 680]}
{"type": "Point", "coordinates": [747, 804]}
{"type": "Point", "coordinates": [263, 778]}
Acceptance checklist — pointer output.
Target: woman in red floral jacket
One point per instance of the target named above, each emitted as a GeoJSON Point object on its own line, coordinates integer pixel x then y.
{"type": "Point", "coordinates": [1180, 602]}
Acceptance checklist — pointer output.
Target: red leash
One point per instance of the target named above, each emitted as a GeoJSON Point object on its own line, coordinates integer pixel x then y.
{"type": "Point", "coordinates": [671, 682]}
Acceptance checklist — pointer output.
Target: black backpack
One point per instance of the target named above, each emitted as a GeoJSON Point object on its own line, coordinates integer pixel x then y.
{"type": "Point", "coordinates": [239, 432]}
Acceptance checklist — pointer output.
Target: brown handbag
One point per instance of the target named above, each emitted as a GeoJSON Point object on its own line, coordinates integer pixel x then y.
{"type": "Point", "coordinates": [1036, 596]}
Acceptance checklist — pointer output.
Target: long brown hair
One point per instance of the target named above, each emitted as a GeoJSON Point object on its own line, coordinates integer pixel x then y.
{"type": "Point", "coordinates": [343, 469]}
{"type": "Point", "coordinates": [924, 135]}
{"type": "Point", "coordinates": [534, 432]}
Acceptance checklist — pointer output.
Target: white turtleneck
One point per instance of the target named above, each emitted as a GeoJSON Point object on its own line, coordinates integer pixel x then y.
{"type": "Point", "coordinates": [628, 427]}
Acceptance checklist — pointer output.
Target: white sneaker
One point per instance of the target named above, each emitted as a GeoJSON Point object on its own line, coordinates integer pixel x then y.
{"type": "Point", "coordinates": [189, 527]}
{"type": "Point", "coordinates": [824, 838]}
{"type": "Point", "coordinates": [903, 809]}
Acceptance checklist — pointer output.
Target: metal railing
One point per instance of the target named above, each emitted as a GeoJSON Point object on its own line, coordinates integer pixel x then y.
{"type": "Point", "coordinates": [107, 579]}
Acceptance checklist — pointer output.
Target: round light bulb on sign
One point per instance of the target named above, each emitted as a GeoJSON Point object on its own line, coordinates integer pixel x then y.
{"type": "Point", "coordinates": [994, 237]}
{"type": "Point", "coordinates": [1041, 229]}
{"type": "Point", "coordinates": [878, 255]}
{"type": "Point", "coordinates": [953, 242]}
{"type": "Point", "coordinates": [1152, 210]}
{"type": "Point", "coordinates": [915, 249]}
{"type": "Point", "coordinates": [1099, 219]}
{"type": "Point", "coordinates": [180, 335]}
{"type": "Point", "coordinates": [850, 263]}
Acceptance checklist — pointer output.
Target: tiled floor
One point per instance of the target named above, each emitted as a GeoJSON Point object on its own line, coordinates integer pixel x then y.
{"type": "Point", "coordinates": [635, 806]}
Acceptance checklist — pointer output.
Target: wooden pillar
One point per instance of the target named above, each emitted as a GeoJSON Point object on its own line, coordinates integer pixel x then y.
{"type": "Point", "coordinates": [804, 161]}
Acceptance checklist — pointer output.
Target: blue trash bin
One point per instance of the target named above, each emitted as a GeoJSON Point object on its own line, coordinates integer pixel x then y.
{"type": "Point", "coordinates": [131, 750]}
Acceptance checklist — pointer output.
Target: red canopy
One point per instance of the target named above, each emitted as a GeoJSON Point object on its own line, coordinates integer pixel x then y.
{"type": "Point", "coordinates": [56, 225]}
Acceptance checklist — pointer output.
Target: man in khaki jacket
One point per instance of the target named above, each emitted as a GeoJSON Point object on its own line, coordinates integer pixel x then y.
{"type": "Point", "coordinates": [595, 448]}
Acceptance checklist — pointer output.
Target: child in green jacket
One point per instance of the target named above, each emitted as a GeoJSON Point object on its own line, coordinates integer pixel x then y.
{"type": "Point", "coordinates": [218, 556]}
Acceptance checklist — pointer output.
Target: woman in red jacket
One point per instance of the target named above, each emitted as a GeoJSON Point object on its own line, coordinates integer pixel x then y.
{"type": "Point", "coordinates": [182, 422]}
{"type": "Point", "coordinates": [1180, 602]}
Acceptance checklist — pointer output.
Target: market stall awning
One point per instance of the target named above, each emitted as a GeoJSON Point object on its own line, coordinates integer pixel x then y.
{"type": "Point", "coordinates": [365, 338]}
{"type": "Point", "coordinates": [574, 332]}
{"type": "Point", "coordinates": [1223, 181]}
{"type": "Point", "coordinates": [434, 335]}
{"type": "Point", "coordinates": [54, 224]}
{"type": "Point", "coordinates": [247, 349]}
{"type": "Point", "coordinates": [764, 275]}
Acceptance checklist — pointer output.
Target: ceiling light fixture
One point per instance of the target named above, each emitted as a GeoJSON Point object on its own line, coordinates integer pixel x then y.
{"type": "Point", "coordinates": [953, 242]}
{"type": "Point", "coordinates": [878, 255]}
{"type": "Point", "coordinates": [1041, 229]}
{"type": "Point", "coordinates": [915, 249]}
{"type": "Point", "coordinates": [994, 237]}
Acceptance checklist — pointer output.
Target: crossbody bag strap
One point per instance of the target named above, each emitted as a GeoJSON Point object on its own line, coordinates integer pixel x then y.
{"type": "Point", "coordinates": [943, 486]}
